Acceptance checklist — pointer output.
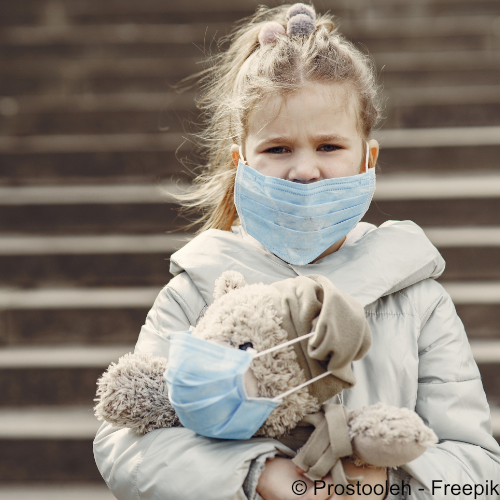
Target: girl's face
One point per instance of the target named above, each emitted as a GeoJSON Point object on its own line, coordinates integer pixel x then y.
{"type": "Point", "coordinates": [308, 137]}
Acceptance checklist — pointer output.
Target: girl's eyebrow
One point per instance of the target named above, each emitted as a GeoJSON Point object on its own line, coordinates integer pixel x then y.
{"type": "Point", "coordinates": [279, 139]}
{"type": "Point", "coordinates": [331, 138]}
{"type": "Point", "coordinates": [282, 139]}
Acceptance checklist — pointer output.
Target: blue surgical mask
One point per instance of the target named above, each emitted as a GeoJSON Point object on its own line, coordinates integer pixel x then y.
{"type": "Point", "coordinates": [206, 387]}
{"type": "Point", "coordinates": [298, 222]}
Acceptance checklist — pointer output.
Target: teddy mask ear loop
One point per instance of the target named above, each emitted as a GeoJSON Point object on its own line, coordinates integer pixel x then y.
{"type": "Point", "coordinates": [285, 344]}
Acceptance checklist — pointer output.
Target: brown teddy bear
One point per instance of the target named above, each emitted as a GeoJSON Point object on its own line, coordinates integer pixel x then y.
{"type": "Point", "coordinates": [133, 393]}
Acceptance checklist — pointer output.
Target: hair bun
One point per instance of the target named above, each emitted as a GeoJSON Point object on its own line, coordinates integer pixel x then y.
{"type": "Point", "coordinates": [269, 32]}
{"type": "Point", "coordinates": [301, 20]}
{"type": "Point", "coordinates": [300, 25]}
{"type": "Point", "coordinates": [300, 8]}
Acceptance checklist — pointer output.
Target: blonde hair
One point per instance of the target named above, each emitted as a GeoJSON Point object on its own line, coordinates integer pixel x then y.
{"type": "Point", "coordinates": [245, 75]}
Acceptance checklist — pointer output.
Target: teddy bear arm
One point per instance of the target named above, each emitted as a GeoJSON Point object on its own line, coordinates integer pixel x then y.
{"type": "Point", "coordinates": [132, 393]}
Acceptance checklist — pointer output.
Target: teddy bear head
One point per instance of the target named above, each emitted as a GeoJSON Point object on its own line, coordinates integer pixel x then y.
{"type": "Point", "coordinates": [243, 317]}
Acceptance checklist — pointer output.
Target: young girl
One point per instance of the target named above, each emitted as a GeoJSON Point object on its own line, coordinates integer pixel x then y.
{"type": "Point", "coordinates": [291, 171]}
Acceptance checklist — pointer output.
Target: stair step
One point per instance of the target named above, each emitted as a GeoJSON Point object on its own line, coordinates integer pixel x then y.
{"type": "Point", "coordinates": [150, 40]}
{"type": "Point", "coordinates": [486, 351]}
{"type": "Point", "coordinates": [155, 11]}
{"type": "Point", "coordinates": [445, 155]}
{"type": "Point", "coordinates": [442, 237]}
{"type": "Point", "coordinates": [474, 292]}
{"type": "Point", "coordinates": [56, 492]}
{"type": "Point", "coordinates": [102, 84]}
{"type": "Point", "coordinates": [142, 39]}
{"type": "Point", "coordinates": [104, 73]}
{"type": "Point", "coordinates": [76, 298]}
{"type": "Point", "coordinates": [133, 101]}
{"type": "Point", "coordinates": [470, 263]}
{"type": "Point", "coordinates": [67, 459]}
{"type": "Point", "coordinates": [79, 423]}
{"type": "Point", "coordinates": [389, 187]}
{"type": "Point", "coordinates": [154, 101]}
{"type": "Point", "coordinates": [449, 106]}
{"type": "Point", "coordinates": [388, 78]}
{"type": "Point", "coordinates": [49, 321]}
{"type": "Point", "coordinates": [16, 357]}
{"type": "Point", "coordinates": [117, 34]}
{"type": "Point", "coordinates": [120, 244]}
{"type": "Point", "coordinates": [438, 137]}
{"type": "Point", "coordinates": [70, 356]}
{"type": "Point", "coordinates": [99, 269]}
{"type": "Point", "coordinates": [103, 143]}
{"type": "Point", "coordinates": [52, 376]}
{"type": "Point", "coordinates": [48, 460]}
{"type": "Point", "coordinates": [67, 375]}
{"type": "Point", "coordinates": [92, 168]}
{"type": "Point", "coordinates": [137, 121]}
{"type": "Point", "coordinates": [153, 218]}
{"type": "Point", "coordinates": [108, 260]}
{"type": "Point", "coordinates": [435, 187]}
{"type": "Point", "coordinates": [480, 320]}
{"type": "Point", "coordinates": [101, 194]}
{"type": "Point", "coordinates": [477, 115]}
{"type": "Point", "coordinates": [376, 28]}
{"type": "Point", "coordinates": [142, 260]}
{"type": "Point", "coordinates": [136, 297]}
{"type": "Point", "coordinates": [61, 375]}
{"type": "Point", "coordinates": [107, 122]}
{"type": "Point", "coordinates": [91, 218]}
{"type": "Point", "coordinates": [149, 167]}
{"type": "Point", "coordinates": [438, 60]}
{"type": "Point", "coordinates": [450, 237]}
{"type": "Point", "coordinates": [48, 386]}
{"type": "Point", "coordinates": [439, 212]}
{"type": "Point", "coordinates": [58, 422]}
{"type": "Point", "coordinates": [102, 63]}
{"type": "Point", "coordinates": [112, 143]}
{"type": "Point", "coordinates": [98, 326]}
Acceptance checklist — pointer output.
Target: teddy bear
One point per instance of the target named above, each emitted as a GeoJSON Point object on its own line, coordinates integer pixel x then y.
{"type": "Point", "coordinates": [330, 331]}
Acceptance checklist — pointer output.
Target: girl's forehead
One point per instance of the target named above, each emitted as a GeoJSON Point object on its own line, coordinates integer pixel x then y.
{"type": "Point", "coordinates": [316, 107]}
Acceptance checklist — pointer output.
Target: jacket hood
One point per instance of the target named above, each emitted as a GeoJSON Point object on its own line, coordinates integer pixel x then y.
{"type": "Point", "coordinates": [383, 260]}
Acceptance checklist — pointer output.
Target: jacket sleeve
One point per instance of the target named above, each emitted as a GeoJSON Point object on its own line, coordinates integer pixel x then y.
{"type": "Point", "coordinates": [176, 463]}
{"type": "Point", "coordinates": [451, 400]}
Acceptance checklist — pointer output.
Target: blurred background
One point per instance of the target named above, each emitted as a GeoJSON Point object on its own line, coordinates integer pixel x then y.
{"type": "Point", "coordinates": [89, 128]}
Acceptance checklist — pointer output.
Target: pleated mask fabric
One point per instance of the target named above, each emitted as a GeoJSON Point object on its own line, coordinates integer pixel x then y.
{"type": "Point", "coordinates": [298, 222]}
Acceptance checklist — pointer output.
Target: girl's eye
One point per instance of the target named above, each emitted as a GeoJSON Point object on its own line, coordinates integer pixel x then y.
{"type": "Point", "coordinates": [277, 150]}
{"type": "Point", "coordinates": [329, 147]}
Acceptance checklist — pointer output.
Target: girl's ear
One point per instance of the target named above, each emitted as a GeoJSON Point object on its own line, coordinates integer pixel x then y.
{"type": "Point", "coordinates": [235, 153]}
{"type": "Point", "coordinates": [374, 149]}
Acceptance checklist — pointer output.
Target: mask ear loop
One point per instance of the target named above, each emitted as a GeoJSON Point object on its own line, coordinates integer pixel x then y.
{"type": "Point", "coordinates": [241, 156]}
{"type": "Point", "coordinates": [280, 346]}
{"type": "Point", "coordinates": [366, 159]}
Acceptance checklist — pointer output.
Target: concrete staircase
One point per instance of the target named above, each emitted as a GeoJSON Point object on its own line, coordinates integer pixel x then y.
{"type": "Point", "coordinates": [89, 132]}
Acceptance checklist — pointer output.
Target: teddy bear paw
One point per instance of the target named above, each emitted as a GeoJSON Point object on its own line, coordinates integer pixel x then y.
{"type": "Point", "coordinates": [387, 436]}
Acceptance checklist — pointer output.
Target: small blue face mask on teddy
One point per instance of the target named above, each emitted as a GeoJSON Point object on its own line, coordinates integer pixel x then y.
{"type": "Point", "coordinates": [298, 222]}
{"type": "Point", "coordinates": [206, 387]}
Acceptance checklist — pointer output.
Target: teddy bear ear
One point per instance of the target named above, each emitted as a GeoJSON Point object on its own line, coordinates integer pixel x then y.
{"type": "Point", "coordinates": [228, 280]}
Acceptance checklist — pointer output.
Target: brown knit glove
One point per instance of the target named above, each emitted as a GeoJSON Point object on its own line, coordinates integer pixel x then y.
{"type": "Point", "coordinates": [342, 332]}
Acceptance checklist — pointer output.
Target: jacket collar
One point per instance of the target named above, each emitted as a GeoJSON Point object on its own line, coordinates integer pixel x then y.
{"type": "Point", "coordinates": [379, 262]}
